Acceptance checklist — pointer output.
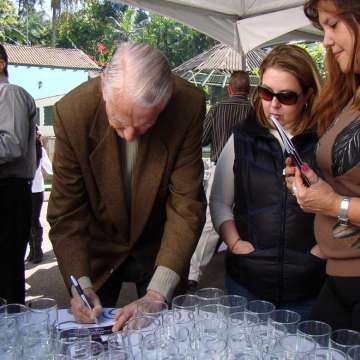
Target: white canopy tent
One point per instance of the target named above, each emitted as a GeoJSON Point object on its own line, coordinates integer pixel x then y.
{"type": "Point", "coordinates": [242, 24]}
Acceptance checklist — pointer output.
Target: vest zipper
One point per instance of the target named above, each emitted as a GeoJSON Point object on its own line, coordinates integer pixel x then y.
{"type": "Point", "coordinates": [282, 244]}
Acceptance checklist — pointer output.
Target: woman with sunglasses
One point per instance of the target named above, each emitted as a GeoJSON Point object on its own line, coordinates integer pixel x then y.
{"type": "Point", "coordinates": [334, 194]}
{"type": "Point", "coordinates": [272, 254]}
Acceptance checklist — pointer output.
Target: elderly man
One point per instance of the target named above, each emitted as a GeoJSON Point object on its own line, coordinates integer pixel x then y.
{"type": "Point", "coordinates": [127, 202]}
{"type": "Point", "coordinates": [18, 116]}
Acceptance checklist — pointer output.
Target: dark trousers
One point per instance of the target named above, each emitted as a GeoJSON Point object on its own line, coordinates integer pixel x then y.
{"type": "Point", "coordinates": [15, 218]}
{"type": "Point", "coordinates": [302, 307]}
{"type": "Point", "coordinates": [129, 271]}
{"type": "Point", "coordinates": [36, 201]}
{"type": "Point", "coordinates": [338, 303]}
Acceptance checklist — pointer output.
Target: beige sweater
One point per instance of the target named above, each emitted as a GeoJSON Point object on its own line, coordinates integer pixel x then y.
{"type": "Point", "coordinates": [343, 259]}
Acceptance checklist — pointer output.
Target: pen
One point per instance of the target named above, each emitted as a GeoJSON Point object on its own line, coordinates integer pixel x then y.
{"type": "Point", "coordinates": [80, 291]}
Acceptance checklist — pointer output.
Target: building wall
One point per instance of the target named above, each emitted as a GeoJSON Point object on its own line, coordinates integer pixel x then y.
{"type": "Point", "coordinates": [43, 82]}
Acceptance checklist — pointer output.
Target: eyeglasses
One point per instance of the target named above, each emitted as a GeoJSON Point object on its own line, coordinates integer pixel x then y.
{"type": "Point", "coordinates": [284, 97]}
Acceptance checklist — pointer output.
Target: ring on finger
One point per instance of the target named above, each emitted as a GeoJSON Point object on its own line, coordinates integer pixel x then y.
{"type": "Point", "coordinates": [294, 190]}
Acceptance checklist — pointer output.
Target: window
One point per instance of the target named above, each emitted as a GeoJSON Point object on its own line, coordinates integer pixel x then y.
{"type": "Point", "coordinates": [48, 115]}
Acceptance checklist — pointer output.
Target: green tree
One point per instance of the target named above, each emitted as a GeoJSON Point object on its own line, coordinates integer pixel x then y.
{"type": "Point", "coordinates": [317, 52]}
{"type": "Point", "coordinates": [178, 41]}
{"type": "Point", "coordinates": [8, 21]}
{"type": "Point", "coordinates": [57, 7]}
{"type": "Point", "coordinates": [36, 27]}
{"type": "Point", "coordinates": [28, 26]}
{"type": "Point", "coordinates": [95, 28]}
{"type": "Point", "coordinates": [98, 26]}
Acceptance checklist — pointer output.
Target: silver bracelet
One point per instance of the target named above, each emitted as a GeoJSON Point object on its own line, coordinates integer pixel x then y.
{"type": "Point", "coordinates": [344, 209]}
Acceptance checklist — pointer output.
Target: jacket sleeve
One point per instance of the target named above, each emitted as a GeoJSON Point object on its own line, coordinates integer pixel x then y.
{"type": "Point", "coordinates": [68, 209]}
{"type": "Point", "coordinates": [185, 207]}
{"type": "Point", "coordinates": [16, 109]}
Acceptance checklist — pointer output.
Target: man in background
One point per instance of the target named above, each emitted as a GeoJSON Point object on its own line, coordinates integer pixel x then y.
{"type": "Point", "coordinates": [127, 201]}
{"type": "Point", "coordinates": [218, 125]}
{"type": "Point", "coordinates": [18, 117]}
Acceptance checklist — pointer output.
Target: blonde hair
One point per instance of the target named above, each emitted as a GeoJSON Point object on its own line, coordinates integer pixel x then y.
{"type": "Point", "coordinates": [297, 62]}
{"type": "Point", "coordinates": [138, 71]}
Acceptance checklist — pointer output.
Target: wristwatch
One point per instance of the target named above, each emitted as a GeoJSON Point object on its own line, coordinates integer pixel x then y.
{"type": "Point", "coordinates": [344, 209]}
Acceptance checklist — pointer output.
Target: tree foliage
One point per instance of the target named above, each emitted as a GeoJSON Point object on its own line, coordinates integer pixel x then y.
{"type": "Point", "coordinates": [24, 25]}
{"type": "Point", "coordinates": [317, 52]}
{"type": "Point", "coordinates": [99, 26]}
{"type": "Point", "coordinates": [178, 41]}
{"type": "Point", "coordinates": [8, 21]}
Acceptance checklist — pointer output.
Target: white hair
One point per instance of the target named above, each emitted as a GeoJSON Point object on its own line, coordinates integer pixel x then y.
{"type": "Point", "coordinates": [141, 72]}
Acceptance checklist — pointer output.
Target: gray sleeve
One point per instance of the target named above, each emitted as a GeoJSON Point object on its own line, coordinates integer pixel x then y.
{"type": "Point", "coordinates": [222, 191]}
{"type": "Point", "coordinates": [164, 281]}
{"type": "Point", "coordinates": [17, 109]}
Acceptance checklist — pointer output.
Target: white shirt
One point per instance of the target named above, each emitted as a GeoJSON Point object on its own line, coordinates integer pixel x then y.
{"type": "Point", "coordinates": [222, 192]}
{"type": "Point", "coordinates": [38, 181]}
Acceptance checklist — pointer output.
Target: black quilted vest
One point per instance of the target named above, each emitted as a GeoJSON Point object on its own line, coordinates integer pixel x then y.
{"type": "Point", "coordinates": [281, 269]}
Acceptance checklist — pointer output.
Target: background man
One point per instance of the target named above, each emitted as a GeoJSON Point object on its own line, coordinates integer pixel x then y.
{"type": "Point", "coordinates": [218, 125]}
{"type": "Point", "coordinates": [18, 117]}
{"type": "Point", "coordinates": [127, 201]}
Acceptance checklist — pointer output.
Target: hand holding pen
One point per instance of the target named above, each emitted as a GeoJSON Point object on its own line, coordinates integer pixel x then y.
{"type": "Point", "coordinates": [85, 304]}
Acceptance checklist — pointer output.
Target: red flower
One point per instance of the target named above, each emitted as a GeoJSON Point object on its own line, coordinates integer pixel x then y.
{"type": "Point", "coordinates": [101, 48]}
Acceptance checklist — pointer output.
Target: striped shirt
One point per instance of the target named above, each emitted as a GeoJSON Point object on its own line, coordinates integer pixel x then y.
{"type": "Point", "coordinates": [221, 119]}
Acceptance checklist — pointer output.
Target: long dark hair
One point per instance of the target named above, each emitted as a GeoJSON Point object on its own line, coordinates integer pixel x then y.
{"type": "Point", "coordinates": [329, 104]}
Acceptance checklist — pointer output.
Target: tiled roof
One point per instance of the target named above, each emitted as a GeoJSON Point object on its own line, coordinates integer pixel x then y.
{"type": "Point", "coordinates": [214, 66]}
{"type": "Point", "coordinates": [50, 57]}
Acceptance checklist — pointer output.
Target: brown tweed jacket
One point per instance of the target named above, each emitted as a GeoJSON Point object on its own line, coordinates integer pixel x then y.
{"type": "Point", "coordinates": [92, 231]}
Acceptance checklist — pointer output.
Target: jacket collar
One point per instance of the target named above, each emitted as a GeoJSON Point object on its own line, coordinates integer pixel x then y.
{"type": "Point", "coordinates": [252, 127]}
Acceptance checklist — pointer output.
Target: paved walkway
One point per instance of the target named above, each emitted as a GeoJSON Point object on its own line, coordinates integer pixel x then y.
{"type": "Point", "coordinates": [45, 279]}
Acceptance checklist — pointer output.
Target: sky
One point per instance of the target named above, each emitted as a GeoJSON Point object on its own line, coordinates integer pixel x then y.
{"type": "Point", "coordinates": [46, 6]}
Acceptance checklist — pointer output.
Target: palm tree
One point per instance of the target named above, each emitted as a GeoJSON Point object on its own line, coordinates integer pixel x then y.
{"type": "Point", "coordinates": [57, 6]}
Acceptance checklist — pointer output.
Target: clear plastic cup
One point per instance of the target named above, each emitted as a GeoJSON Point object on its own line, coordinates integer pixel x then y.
{"type": "Point", "coordinates": [261, 308]}
{"type": "Point", "coordinates": [344, 339]}
{"type": "Point", "coordinates": [319, 331]}
{"type": "Point", "coordinates": [286, 317]}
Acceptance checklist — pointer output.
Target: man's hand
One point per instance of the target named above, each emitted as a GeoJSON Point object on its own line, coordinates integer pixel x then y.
{"type": "Point", "coordinates": [129, 311]}
{"type": "Point", "coordinates": [242, 248]}
{"type": "Point", "coordinates": [80, 311]}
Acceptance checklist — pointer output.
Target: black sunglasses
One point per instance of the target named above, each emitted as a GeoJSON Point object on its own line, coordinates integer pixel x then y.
{"type": "Point", "coordinates": [284, 97]}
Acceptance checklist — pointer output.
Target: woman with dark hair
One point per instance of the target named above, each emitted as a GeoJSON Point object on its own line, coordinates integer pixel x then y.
{"type": "Point", "coordinates": [334, 194]}
{"type": "Point", "coordinates": [272, 253]}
